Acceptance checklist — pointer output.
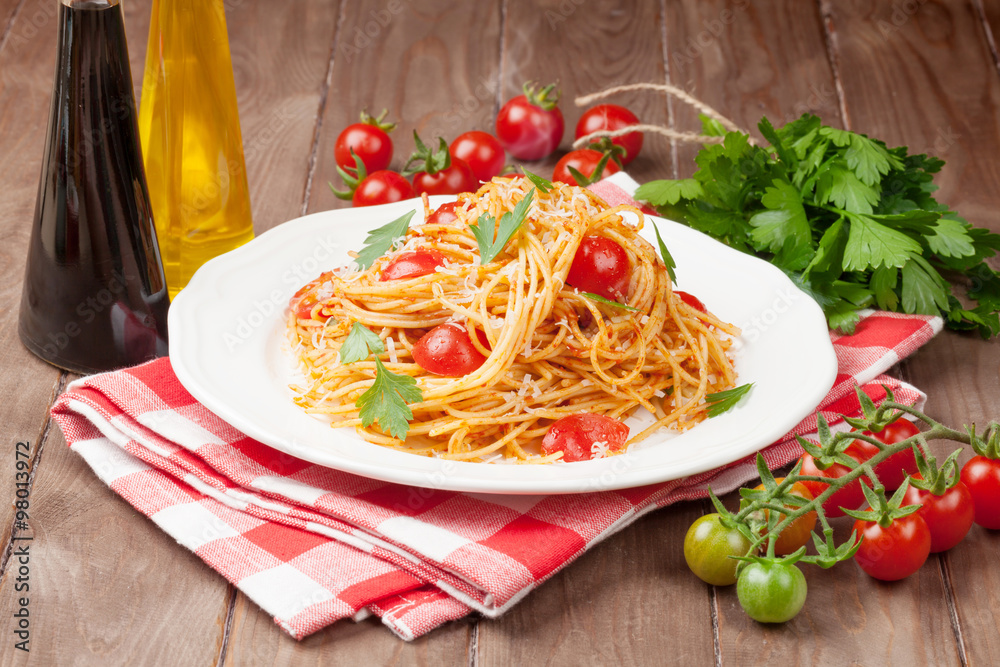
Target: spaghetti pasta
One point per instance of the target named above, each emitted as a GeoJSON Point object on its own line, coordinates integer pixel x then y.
{"type": "Point", "coordinates": [550, 350]}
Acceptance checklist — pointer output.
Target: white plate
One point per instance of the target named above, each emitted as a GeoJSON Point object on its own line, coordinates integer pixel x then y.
{"type": "Point", "coordinates": [227, 346]}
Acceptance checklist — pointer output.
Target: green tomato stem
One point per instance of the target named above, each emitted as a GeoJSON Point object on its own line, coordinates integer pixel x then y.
{"type": "Point", "coordinates": [937, 431]}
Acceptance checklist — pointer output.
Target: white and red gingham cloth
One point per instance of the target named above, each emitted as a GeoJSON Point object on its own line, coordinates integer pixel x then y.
{"type": "Point", "coordinates": [312, 545]}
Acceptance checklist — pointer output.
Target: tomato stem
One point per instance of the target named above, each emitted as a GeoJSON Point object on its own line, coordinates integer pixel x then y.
{"type": "Point", "coordinates": [833, 450]}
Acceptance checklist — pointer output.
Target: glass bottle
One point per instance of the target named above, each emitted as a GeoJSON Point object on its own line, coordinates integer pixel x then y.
{"type": "Point", "coordinates": [191, 141]}
{"type": "Point", "coordinates": [94, 296]}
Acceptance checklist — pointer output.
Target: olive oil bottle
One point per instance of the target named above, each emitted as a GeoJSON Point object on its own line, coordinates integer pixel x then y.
{"type": "Point", "coordinates": [191, 142]}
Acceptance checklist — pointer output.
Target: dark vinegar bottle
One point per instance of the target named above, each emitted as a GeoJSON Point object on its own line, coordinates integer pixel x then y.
{"type": "Point", "coordinates": [94, 297]}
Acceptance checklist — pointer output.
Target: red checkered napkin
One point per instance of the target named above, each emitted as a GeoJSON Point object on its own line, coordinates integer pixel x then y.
{"type": "Point", "coordinates": [312, 545]}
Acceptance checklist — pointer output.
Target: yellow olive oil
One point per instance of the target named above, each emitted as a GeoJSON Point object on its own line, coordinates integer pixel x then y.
{"type": "Point", "coordinates": [191, 142]}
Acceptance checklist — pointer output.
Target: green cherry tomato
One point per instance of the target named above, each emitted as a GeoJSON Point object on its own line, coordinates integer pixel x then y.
{"type": "Point", "coordinates": [708, 546]}
{"type": "Point", "coordinates": [771, 592]}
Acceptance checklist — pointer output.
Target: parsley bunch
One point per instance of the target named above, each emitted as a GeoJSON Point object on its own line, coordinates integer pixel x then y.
{"type": "Point", "coordinates": [852, 222]}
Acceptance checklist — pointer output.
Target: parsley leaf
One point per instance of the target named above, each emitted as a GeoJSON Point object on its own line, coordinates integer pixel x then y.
{"type": "Point", "coordinates": [668, 259]}
{"type": "Point", "coordinates": [380, 240]}
{"type": "Point", "coordinates": [542, 184]}
{"type": "Point", "coordinates": [661, 193]}
{"type": "Point", "coordinates": [386, 401]}
{"type": "Point", "coordinates": [359, 344]}
{"type": "Point", "coordinates": [784, 221]}
{"type": "Point", "coordinates": [725, 400]}
{"type": "Point", "coordinates": [510, 222]}
{"type": "Point", "coordinates": [608, 302]}
{"type": "Point", "coordinates": [871, 245]}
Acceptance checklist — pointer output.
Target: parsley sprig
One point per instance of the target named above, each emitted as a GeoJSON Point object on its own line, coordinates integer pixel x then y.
{"type": "Point", "coordinates": [386, 401]}
{"type": "Point", "coordinates": [853, 222]}
{"type": "Point", "coordinates": [723, 401]}
{"type": "Point", "coordinates": [607, 302]}
{"type": "Point", "coordinates": [381, 239]}
{"type": "Point", "coordinates": [510, 222]}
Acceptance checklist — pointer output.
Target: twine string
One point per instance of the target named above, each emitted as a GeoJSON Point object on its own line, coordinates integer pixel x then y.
{"type": "Point", "coordinates": [683, 96]}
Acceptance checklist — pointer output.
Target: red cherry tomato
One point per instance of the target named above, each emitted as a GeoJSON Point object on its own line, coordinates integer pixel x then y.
{"type": "Point", "coordinates": [584, 161]}
{"type": "Point", "coordinates": [444, 215]}
{"type": "Point", "coordinates": [447, 350]}
{"type": "Point", "coordinates": [612, 117]}
{"type": "Point", "coordinates": [948, 516]}
{"type": "Point", "coordinates": [894, 470]}
{"type": "Point", "coordinates": [382, 187]}
{"type": "Point", "coordinates": [370, 143]}
{"type": "Point", "coordinates": [481, 151]}
{"type": "Point", "coordinates": [575, 436]}
{"type": "Point", "coordinates": [448, 181]}
{"type": "Point", "coordinates": [529, 130]}
{"type": "Point", "coordinates": [304, 299]}
{"type": "Point", "coordinates": [849, 497]}
{"type": "Point", "coordinates": [691, 300]}
{"type": "Point", "coordinates": [894, 552]}
{"type": "Point", "coordinates": [412, 265]}
{"type": "Point", "coordinates": [982, 476]}
{"type": "Point", "coordinates": [600, 266]}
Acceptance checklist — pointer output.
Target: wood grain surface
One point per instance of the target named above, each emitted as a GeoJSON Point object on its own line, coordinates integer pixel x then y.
{"type": "Point", "coordinates": [109, 588]}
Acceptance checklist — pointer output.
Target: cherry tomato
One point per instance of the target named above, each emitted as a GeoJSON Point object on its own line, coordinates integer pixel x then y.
{"type": "Point", "coordinates": [948, 516]}
{"type": "Point", "coordinates": [849, 497]}
{"type": "Point", "coordinates": [370, 142]}
{"type": "Point", "coordinates": [444, 215]}
{"type": "Point", "coordinates": [481, 151]}
{"type": "Point", "coordinates": [894, 470]}
{"type": "Point", "coordinates": [982, 476]}
{"type": "Point", "coordinates": [708, 546]}
{"type": "Point", "coordinates": [412, 265]}
{"type": "Point", "coordinates": [584, 161]}
{"type": "Point", "coordinates": [797, 533]}
{"type": "Point", "coordinates": [691, 300]}
{"type": "Point", "coordinates": [382, 187]}
{"type": "Point", "coordinates": [304, 299]}
{"type": "Point", "coordinates": [894, 552]}
{"type": "Point", "coordinates": [530, 126]}
{"type": "Point", "coordinates": [771, 592]}
{"type": "Point", "coordinates": [447, 350]}
{"type": "Point", "coordinates": [612, 117]}
{"type": "Point", "coordinates": [600, 266]}
{"type": "Point", "coordinates": [575, 436]}
{"type": "Point", "coordinates": [448, 181]}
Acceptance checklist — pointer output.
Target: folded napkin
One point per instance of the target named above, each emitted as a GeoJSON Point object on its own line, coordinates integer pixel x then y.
{"type": "Point", "coordinates": [312, 545]}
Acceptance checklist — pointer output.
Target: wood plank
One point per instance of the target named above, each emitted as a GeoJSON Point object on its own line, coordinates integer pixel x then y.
{"type": "Point", "coordinates": [928, 79]}
{"type": "Point", "coordinates": [106, 584]}
{"type": "Point", "coordinates": [587, 48]}
{"type": "Point", "coordinates": [747, 60]}
{"type": "Point", "coordinates": [422, 63]}
{"type": "Point", "coordinates": [257, 640]}
{"type": "Point", "coordinates": [990, 12]}
{"type": "Point", "coordinates": [27, 384]}
{"type": "Point", "coordinates": [629, 601]}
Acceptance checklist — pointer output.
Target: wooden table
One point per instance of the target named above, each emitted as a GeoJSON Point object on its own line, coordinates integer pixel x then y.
{"type": "Point", "coordinates": [107, 587]}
